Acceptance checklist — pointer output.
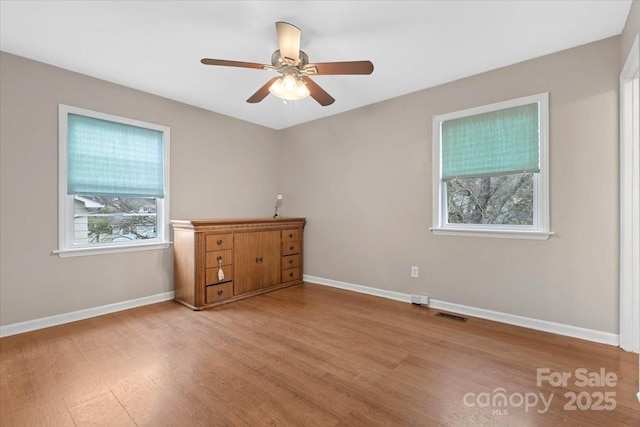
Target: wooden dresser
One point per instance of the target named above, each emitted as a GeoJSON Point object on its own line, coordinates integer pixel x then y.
{"type": "Point", "coordinates": [257, 255]}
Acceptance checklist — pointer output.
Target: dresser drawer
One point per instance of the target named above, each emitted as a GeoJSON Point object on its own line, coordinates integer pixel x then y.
{"type": "Point", "coordinates": [290, 248]}
{"type": "Point", "coordinates": [211, 276]}
{"type": "Point", "coordinates": [290, 235]}
{"type": "Point", "coordinates": [226, 257]}
{"type": "Point", "coordinates": [217, 242]}
{"type": "Point", "coordinates": [290, 261]}
{"type": "Point", "coordinates": [219, 292]}
{"type": "Point", "coordinates": [291, 274]}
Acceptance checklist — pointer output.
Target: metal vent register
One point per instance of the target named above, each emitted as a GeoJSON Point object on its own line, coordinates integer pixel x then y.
{"type": "Point", "coordinates": [451, 316]}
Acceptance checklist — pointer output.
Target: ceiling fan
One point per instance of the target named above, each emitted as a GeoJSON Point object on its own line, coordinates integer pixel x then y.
{"type": "Point", "coordinates": [295, 69]}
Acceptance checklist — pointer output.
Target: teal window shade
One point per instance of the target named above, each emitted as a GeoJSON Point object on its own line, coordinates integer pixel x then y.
{"type": "Point", "coordinates": [106, 158]}
{"type": "Point", "coordinates": [489, 144]}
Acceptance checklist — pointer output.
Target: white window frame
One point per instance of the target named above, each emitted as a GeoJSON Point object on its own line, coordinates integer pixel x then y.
{"type": "Point", "coordinates": [540, 228]}
{"type": "Point", "coordinates": [66, 244]}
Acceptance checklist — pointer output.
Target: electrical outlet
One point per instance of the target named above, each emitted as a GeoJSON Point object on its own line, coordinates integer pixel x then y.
{"type": "Point", "coordinates": [414, 271]}
{"type": "Point", "coordinates": [419, 299]}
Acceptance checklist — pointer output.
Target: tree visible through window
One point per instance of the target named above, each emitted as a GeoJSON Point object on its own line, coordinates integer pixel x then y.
{"type": "Point", "coordinates": [120, 219]}
{"type": "Point", "coordinates": [505, 199]}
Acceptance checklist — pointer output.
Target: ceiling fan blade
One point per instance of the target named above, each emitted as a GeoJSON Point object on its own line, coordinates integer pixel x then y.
{"type": "Point", "coordinates": [226, 63]}
{"type": "Point", "coordinates": [348, 67]}
{"type": "Point", "coordinates": [262, 92]}
{"type": "Point", "coordinates": [289, 42]}
{"type": "Point", "coordinates": [317, 92]}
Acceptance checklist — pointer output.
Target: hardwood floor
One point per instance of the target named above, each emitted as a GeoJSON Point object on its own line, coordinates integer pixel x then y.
{"type": "Point", "coordinates": [303, 356]}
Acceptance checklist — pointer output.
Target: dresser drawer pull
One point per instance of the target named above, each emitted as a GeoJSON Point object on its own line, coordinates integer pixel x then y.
{"type": "Point", "coordinates": [291, 248]}
{"type": "Point", "coordinates": [291, 235]}
{"type": "Point", "coordinates": [259, 259]}
{"type": "Point", "coordinates": [291, 274]}
{"type": "Point", "coordinates": [220, 292]}
{"type": "Point", "coordinates": [219, 258]}
{"type": "Point", "coordinates": [219, 242]}
{"type": "Point", "coordinates": [290, 261]}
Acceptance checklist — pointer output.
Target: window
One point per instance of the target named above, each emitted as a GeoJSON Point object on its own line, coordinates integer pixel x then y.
{"type": "Point", "coordinates": [490, 170]}
{"type": "Point", "coordinates": [113, 183]}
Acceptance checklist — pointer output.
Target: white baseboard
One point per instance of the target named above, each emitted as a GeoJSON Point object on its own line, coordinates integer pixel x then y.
{"type": "Point", "coordinates": [511, 319]}
{"type": "Point", "coordinates": [60, 319]}
{"type": "Point", "coordinates": [531, 323]}
{"type": "Point", "coordinates": [358, 288]}
{"type": "Point", "coordinates": [638, 396]}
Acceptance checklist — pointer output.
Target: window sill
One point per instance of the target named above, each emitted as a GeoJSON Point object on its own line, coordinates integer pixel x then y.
{"type": "Point", "coordinates": [502, 234]}
{"type": "Point", "coordinates": [66, 253]}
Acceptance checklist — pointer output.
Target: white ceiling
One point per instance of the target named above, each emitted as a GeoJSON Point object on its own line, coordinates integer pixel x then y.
{"type": "Point", "coordinates": [156, 46]}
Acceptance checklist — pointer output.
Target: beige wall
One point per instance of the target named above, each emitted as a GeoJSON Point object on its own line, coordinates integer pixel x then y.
{"type": "Point", "coordinates": [363, 180]}
{"type": "Point", "coordinates": [220, 167]}
{"type": "Point", "coordinates": [630, 31]}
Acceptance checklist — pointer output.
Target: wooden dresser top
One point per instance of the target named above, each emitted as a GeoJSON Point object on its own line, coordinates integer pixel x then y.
{"type": "Point", "coordinates": [236, 223]}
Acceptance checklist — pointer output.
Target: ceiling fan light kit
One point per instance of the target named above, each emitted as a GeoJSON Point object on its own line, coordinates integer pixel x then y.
{"type": "Point", "coordinates": [293, 64]}
{"type": "Point", "coordinates": [289, 87]}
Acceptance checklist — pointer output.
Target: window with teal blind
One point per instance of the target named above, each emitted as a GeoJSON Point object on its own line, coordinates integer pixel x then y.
{"type": "Point", "coordinates": [113, 183]}
{"type": "Point", "coordinates": [490, 174]}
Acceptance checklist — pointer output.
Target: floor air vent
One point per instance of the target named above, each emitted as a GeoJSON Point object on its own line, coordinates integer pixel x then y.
{"type": "Point", "coordinates": [451, 316]}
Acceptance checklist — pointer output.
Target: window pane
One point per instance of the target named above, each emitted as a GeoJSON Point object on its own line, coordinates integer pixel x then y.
{"type": "Point", "coordinates": [506, 199]}
{"type": "Point", "coordinates": [100, 219]}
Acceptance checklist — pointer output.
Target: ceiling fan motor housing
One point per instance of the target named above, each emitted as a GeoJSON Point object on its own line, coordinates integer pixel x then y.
{"type": "Point", "coordinates": [280, 62]}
